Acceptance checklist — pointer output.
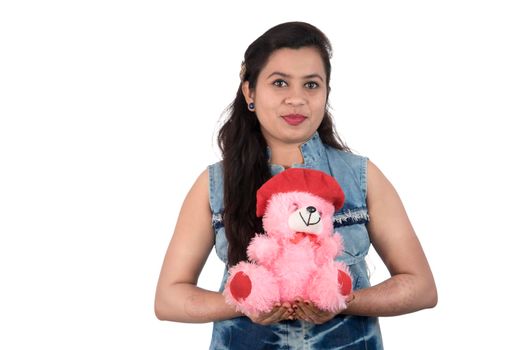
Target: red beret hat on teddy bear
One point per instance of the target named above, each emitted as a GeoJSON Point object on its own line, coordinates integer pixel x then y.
{"type": "Point", "coordinates": [295, 256]}
{"type": "Point", "coordinates": [301, 180]}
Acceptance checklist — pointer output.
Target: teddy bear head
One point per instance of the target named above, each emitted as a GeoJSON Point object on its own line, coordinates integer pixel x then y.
{"type": "Point", "coordinates": [299, 202]}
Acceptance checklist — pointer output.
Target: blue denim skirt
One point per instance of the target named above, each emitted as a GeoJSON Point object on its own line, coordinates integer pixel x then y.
{"type": "Point", "coordinates": [342, 332]}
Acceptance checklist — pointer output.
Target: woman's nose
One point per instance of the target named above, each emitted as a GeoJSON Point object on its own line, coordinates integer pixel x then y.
{"type": "Point", "coordinates": [296, 97]}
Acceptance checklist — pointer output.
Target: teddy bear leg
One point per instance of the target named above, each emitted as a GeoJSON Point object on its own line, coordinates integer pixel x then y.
{"type": "Point", "coordinates": [251, 288]}
{"type": "Point", "coordinates": [240, 286]}
{"type": "Point", "coordinates": [330, 286]}
{"type": "Point", "coordinates": [344, 282]}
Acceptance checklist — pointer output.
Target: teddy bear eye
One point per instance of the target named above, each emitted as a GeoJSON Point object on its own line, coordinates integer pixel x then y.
{"type": "Point", "coordinates": [294, 206]}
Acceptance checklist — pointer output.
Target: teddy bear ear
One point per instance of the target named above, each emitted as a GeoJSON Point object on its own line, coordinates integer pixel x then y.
{"type": "Point", "coordinates": [300, 180]}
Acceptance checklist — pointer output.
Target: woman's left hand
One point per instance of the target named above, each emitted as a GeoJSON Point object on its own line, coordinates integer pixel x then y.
{"type": "Point", "coordinates": [307, 311]}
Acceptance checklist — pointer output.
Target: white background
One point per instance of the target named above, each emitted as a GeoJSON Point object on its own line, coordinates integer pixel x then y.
{"type": "Point", "coordinates": [109, 111]}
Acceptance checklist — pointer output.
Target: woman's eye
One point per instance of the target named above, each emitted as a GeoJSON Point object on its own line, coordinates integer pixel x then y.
{"type": "Point", "coordinates": [311, 85]}
{"type": "Point", "coordinates": [280, 83]}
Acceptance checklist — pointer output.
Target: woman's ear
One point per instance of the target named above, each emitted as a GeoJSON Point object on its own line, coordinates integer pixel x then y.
{"type": "Point", "coordinates": [248, 93]}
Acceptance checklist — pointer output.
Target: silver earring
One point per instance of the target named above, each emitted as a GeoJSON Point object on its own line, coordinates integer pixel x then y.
{"type": "Point", "coordinates": [251, 106]}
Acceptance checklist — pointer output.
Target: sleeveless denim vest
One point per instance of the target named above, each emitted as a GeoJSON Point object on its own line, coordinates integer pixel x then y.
{"type": "Point", "coordinates": [343, 331]}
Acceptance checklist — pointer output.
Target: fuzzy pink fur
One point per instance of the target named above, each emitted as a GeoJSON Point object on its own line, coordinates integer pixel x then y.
{"type": "Point", "coordinates": [275, 219]}
{"type": "Point", "coordinates": [284, 266]}
{"type": "Point", "coordinates": [263, 250]}
{"type": "Point", "coordinates": [321, 291]}
{"type": "Point", "coordinates": [264, 293]}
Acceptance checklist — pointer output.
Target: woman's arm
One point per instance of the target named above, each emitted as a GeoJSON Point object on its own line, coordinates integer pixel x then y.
{"type": "Point", "coordinates": [411, 286]}
{"type": "Point", "coordinates": [177, 296]}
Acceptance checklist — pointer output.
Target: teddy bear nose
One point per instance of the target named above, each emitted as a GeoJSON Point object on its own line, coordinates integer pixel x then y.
{"type": "Point", "coordinates": [311, 209]}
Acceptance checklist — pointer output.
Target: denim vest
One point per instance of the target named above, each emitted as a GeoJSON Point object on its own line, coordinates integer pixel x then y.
{"type": "Point", "coordinates": [343, 331]}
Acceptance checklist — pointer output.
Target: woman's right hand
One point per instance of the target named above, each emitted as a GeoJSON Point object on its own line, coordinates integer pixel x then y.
{"type": "Point", "coordinates": [278, 313]}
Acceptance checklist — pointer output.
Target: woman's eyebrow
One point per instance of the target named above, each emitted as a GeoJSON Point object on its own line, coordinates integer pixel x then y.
{"type": "Point", "coordinates": [309, 76]}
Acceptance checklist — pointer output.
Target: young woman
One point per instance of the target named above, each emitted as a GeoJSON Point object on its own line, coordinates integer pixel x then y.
{"type": "Point", "coordinates": [279, 119]}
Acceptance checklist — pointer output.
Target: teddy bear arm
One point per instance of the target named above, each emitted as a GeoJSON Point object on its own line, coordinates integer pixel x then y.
{"type": "Point", "coordinates": [329, 248]}
{"type": "Point", "coordinates": [263, 250]}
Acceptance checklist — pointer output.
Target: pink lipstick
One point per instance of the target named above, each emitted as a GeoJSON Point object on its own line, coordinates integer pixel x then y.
{"type": "Point", "coordinates": [294, 119]}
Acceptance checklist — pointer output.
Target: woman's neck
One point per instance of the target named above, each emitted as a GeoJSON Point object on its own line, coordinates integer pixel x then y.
{"type": "Point", "coordinates": [286, 155]}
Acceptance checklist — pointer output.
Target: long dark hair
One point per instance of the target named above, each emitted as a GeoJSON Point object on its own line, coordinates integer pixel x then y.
{"type": "Point", "coordinates": [243, 146]}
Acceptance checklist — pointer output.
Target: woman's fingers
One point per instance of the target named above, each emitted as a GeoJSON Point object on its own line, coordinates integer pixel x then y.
{"type": "Point", "coordinates": [277, 314]}
{"type": "Point", "coordinates": [300, 309]}
{"type": "Point", "coordinates": [307, 311]}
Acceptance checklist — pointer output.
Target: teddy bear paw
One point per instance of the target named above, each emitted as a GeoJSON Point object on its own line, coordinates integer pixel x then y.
{"type": "Point", "coordinates": [240, 286]}
{"type": "Point", "coordinates": [251, 289]}
{"type": "Point", "coordinates": [344, 283]}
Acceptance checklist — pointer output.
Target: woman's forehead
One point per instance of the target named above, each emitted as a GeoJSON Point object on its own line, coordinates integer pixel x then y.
{"type": "Point", "coordinates": [299, 63]}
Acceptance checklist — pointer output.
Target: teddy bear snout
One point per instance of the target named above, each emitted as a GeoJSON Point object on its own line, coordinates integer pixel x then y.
{"type": "Point", "coordinates": [306, 219]}
{"type": "Point", "coordinates": [310, 217]}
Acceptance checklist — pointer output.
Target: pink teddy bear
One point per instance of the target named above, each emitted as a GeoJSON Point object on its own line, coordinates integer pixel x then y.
{"type": "Point", "coordinates": [295, 257]}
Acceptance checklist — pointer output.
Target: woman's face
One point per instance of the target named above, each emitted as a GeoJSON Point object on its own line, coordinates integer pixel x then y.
{"type": "Point", "coordinates": [290, 95]}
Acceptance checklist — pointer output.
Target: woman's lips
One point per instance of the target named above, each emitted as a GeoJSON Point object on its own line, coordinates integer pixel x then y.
{"type": "Point", "coordinates": [294, 119]}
